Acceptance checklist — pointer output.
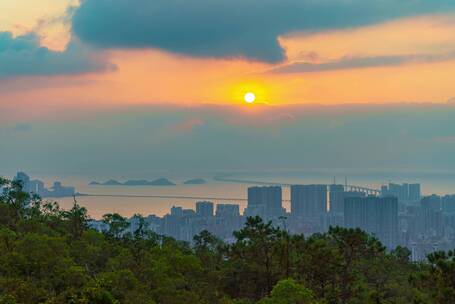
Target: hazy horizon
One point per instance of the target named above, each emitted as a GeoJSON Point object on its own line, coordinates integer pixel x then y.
{"type": "Point", "coordinates": [137, 140]}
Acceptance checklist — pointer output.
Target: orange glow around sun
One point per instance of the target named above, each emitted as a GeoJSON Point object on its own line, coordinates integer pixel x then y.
{"type": "Point", "coordinates": [250, 92]}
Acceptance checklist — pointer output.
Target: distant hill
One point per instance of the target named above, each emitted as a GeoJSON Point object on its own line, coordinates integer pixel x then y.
{"type": "Point", "coordinates": [111, 182]}
{"type": "Point", "coordinates": [195, 181]}
{"type": "Point", "coordinates": [162, 182]}
{"type": "Point", "coordinates": [140, 182]}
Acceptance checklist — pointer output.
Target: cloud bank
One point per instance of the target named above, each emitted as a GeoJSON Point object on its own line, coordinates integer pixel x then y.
{"type": "Point", "coordinates": [213, 138]}
{"type": "Point", "coordinates": [23, 56]}
{"type": "Point", "coordinates": [230, 28]}
{"type": "Point", "coordinates": [347, 63]}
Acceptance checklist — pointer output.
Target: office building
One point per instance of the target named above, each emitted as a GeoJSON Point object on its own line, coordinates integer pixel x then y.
{"type": "Point", "coordinates": [432, 202]}
{"type": "Point", "coordinates": [308, 201]}
{"type": "Point", "coordinates": [37, 187]}
{"type": "Point", "coordinates": [204, 209]}
{"type": "Point", "coordinates": [24, 180]}
{"type": "Point", "coordinates": [265, 202]}
{"type": "Point", "coordinates": [177, 211]}
{"type": "Point", "coordinates": [227, 210]}
{"type": "Point", "coordinates": [448, 203]}
{"type": "Point", "coordinates": [404, 192]}
{"type": "Point", "coordinates": [414, 192]}
{"type": "Point", "coordinates": [337, 196]}
{"type": "Point", "coordinates": [378, 216]}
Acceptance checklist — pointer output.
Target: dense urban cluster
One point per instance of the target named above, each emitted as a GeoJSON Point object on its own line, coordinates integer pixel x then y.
{"type": "Point", "coordinates": [397, 215]}
{"type": "Point", "coordinates": [50, 255]}
{"type": "Point", "coordinates": [37, 187]}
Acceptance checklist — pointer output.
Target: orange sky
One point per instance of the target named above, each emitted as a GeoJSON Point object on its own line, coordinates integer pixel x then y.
{"type": "Point", "coordinates": [152, 76]}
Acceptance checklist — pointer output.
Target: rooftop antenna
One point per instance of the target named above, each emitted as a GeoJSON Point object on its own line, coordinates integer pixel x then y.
{"type": "Point", "coordinates": [334, 180]}
{"type": "Point", "coordinates": [346, 182]}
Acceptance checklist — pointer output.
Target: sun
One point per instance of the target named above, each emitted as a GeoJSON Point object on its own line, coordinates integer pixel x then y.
{"type": "Point", "coordinates": [249, 97]}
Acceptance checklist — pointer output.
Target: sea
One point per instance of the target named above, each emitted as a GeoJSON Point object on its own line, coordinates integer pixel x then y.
{"type": "Point", "coordinates": [221, 188]}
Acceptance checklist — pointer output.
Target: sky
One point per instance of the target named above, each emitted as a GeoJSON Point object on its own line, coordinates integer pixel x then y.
{"type": "Point", "coordinates": [101, 86]}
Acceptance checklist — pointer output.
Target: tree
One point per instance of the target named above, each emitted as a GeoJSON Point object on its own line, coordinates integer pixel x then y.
{"type": "Point", "coordinates": [117, 224]}
{"type": "Point", "coordinates": [253, 260]}
{"type": "Point", "coordinates": [142, 227]}
{"type": "Point", "coordinates": [319, 265]}
{"type": "Point", "coordinates": [77, 219]}
{"type": "Point", "coordinates": [289, 291]}
{"type": "Point", "coordinates": [438, 278]}
{"type": "Point", "coordinates": [14, 202]}
{"type": "Point", "coordinates": [353, 246]}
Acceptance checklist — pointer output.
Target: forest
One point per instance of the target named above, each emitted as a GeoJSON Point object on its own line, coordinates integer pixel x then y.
{"type": "Point", "coordinates": [50, 255]}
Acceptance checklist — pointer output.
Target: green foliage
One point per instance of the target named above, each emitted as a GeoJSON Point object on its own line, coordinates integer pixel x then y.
{"type": "Point", "coordinates": [117, 224]}
{"type": "Point", "coordinates": [289, 291]}
{"type": "Point", "coordinates": [49, 255]}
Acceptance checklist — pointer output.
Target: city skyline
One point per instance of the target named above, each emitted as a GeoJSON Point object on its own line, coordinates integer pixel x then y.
{"type": "Point", "coordinates": [399, 216]}
{"type": "Point", "coordinates": [396, 214]}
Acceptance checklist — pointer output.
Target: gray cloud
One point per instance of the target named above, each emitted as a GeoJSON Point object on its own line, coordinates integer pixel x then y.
{"type": "Point", "coordinates": [229, 28]}
{"type": "Point", "coordinates": [23, 56]}
{"type": "Point", "coordinates": [144, 139]}
{"type": "Point", "coordinates": [346, 63]}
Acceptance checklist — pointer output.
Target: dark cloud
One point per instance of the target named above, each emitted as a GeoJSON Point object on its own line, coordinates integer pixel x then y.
{"type": "Point", "coordinates": [346, 63]}
{"type": "Point", "coordinates": [23, 56]}
{"type": "Point", "coordinates": [229, 28]}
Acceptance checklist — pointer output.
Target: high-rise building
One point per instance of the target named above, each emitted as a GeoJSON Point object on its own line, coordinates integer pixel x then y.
{"type": "Point", "coordinates": [24, 180]}
{"type": "Point", "coordinates": [204, 209]}
{"type": "Point", "coordinates": [430, 218]}
{"type": "Point", "coordinates": [308, 201]}
{"type": "Point", "coordinates": [414, 192]}
{"type": "Point", "coordinates": [37, 187]}
{"type": "Point", "coordinates": [177, 211]}
{"type": "Point", "coordinates": [338, 206]}
{"type": "Point", "coordinates": [60, 191]}
{"type": "Point", "coordinates": [378, 216]}
{"type": "Point", "coordinates": [336, 198]}
{"type": "Point", "coordinates": [448, 204]}
{"type": "Point", "coordinates": [265, 202]}
{"type": "Point", "coordinates": [355, 213]}
{"type": "Point", "coordinates": [404, 192]}
{"type": "Point", "coordinates": [431, 202]}
{"type": "Point", "coordinates": [227, 210]}
{"type": "Point", "coordinates": [399, 191]}
{"type": "Point", "coordinates": [384, 190]}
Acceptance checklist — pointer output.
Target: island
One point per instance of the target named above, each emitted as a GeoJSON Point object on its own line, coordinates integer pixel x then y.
{"type": "Point", "coordinates": [195, 181]}
{"type": "Point", "coordinates": [112, 182]}
{"type": "Point", "coordinates": [162, 182]}
{"type": "Point", "coordinates": [134, 182]}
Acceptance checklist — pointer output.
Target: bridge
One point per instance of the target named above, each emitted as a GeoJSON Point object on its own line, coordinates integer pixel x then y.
{"type": "Point", "coordinates": [227, 178]}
